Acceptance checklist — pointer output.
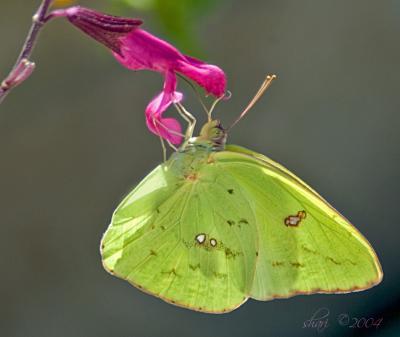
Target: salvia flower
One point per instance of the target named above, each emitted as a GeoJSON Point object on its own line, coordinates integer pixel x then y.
{"type": "Point", "coordinates": [137, 49]}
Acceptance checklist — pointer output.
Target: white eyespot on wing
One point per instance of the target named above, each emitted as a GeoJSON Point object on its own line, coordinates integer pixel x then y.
{"type": "Point", "coordinates": [200, 238]}
{"type": "Point", "coordinates": [213, 242]}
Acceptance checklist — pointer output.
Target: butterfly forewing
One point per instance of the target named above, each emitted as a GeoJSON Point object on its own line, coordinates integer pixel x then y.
{"type": "Point", "coordinates": [305, 245]}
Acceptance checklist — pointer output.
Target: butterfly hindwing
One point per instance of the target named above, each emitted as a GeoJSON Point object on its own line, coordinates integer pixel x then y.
{"type": "Point", "coordinates": [185, 239]}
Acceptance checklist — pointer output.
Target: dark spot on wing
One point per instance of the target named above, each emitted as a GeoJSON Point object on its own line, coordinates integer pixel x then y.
{"type": "Point", "coordinates": [277, 263]}
{"type": "Point", "coordinates": [230, 222]}
{"type": "Point", "coordinates": [187, 244]}
{"type": "Point", "coordinates": [231, 254]}
{"type": "Point", "coordinates": [309, 250]}
{"type": "Point", "coordinates": [153, 253]}
{"type": "Point", "coordinates": [171, 272]}
{"type": "Point", "coordinates": [194, 267]}
{"type": "Point", "coordinates": [332, 260]}
{"type": "Point", "coordinates": [296, 264]}
{"type": "Point", "coordinates": [192, 176]}
{"type": "Point", "coordinates": [243, 221]}
{"type": "Point", "coordinates": [228, 252]}
{"type": "Point", "coordinates": [231, 191]}
{"type": "Point", "coordinates": [162, 228]}
{"type": "Point", "coordinates": [328, 258]}
{"type": "Point", "coordinates": [220, 275]}
{"type": "Point", "coordinates": [294, 220]}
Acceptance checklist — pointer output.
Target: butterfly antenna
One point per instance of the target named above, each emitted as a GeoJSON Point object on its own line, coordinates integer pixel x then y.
{"type": "Point", "coordinates": [265, 85]}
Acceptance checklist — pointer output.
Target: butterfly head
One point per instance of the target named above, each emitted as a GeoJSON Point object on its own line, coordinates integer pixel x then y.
{"type": "Point", "coordinates": [213, 133]}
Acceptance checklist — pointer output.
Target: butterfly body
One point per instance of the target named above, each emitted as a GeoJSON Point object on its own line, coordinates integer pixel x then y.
{"type": "Point", "coordinates": [216, 225]}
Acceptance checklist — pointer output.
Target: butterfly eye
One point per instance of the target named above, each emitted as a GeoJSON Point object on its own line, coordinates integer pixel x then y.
{"type": "Point", "coordinates": [217, 132]}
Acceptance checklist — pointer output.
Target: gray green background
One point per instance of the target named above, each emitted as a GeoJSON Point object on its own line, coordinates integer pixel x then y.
{"type": "Point", "coordinates": [73, 142]}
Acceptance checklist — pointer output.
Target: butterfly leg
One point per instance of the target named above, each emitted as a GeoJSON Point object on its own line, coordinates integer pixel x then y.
{"type": "Point", "coordinates": [189, 118]}
{"type": "Point", "coordinates": [157, 123]}
{"type": "Point", "coordinates": [164, 149]}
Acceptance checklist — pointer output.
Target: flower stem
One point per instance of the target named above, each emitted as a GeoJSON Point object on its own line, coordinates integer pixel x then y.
{"type": "Point", "coordinates": [14, 78]}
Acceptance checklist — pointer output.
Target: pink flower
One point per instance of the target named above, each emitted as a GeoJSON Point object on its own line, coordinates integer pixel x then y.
{"type": "Point", "coordinates": [137, 49]}
{"type": "Point", "coordinates": [19, 74]}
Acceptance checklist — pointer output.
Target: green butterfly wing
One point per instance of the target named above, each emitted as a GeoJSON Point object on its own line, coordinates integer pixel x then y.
{"type": "Point", "coordinates": [207, 231]}
{"type": "Point", "coordinates": [170, 237]}
{"type": "Point", "coordinates": [324, 253]}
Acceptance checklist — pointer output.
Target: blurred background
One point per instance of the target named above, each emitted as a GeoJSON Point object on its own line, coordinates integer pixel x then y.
{"type": "Point", "coordinates": [73, 142]}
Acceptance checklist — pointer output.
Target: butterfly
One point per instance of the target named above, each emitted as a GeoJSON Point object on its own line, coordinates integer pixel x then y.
{"type": "Point", "coordinates": [217, 224]}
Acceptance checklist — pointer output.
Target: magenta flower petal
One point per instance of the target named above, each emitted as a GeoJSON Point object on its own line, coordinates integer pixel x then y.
{"type": "Point", "coordinates": [142, 50]}
{"type": "Point", "coordinates": [168, 128]}
{"type": "Point", "coordinates": [137, 49]}
{"type": "Point", "coordinates": [210, 77]}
